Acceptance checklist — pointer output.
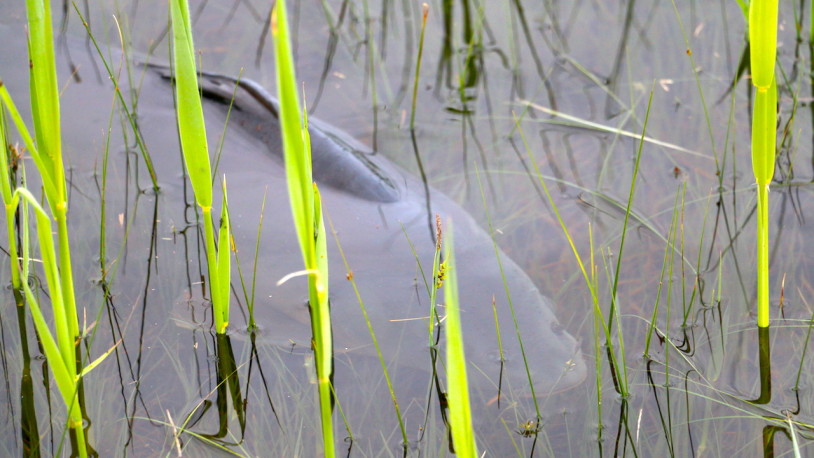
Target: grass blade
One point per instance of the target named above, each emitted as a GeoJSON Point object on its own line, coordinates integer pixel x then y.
{"type": "Point", "coordinates": [192, 131]}
{"type": "Point", "coordinates": [307, 213]}
{"type": "Point", "coordinates": [460, 415]}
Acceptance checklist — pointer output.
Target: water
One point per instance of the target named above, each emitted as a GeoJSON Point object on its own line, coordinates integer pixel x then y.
{"type": "Point", "coordinates": [594, 62]}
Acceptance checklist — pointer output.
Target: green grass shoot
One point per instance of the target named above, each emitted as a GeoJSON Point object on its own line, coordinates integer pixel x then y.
{"type": "Point", "coordinates": [306, 209]}
{"type": "Point", "coordinates": [460, 415]}
{"type": "Point", "coordinates": [763, 52]}
{"type": "Point", "coordinates": [192, 131]}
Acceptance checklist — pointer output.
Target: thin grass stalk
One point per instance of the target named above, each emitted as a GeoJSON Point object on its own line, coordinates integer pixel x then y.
{"type": "Point", "coordinates": [192, 131]}
{"type": "Point", "coordinates": [249, 295]}
{"type": "Point", "coordinates": [508, 295]}
{"type": "Point", "coordinates": [599, 325]}
{"type": "Point", "coordinates": [696, 292]}
{"type": "Point", "coordinates": [803, 354]}
{"type": "Point", "coordinates": [654, 316]}
{"type": "Point", "coordinates": [361, 302]}
{"type": "Point", "coordinates": [631, 194]}
{"type": "Point", "coordinates": [425, 8]}
{"type": "Point", "coordinates": [370, 44]}
{"type": "Point", "coordinates": [437, 276]}
{"type": "Point", "coordinates": [460, 415]}
{"type": "Point", "coordinates": [307, 213]}
{"type": "Point", "coordinates": [590, 279]}
{"type": "Point", "coordinates": [129, 114]}
{"type": "Point", "coordinates": [696, 75]}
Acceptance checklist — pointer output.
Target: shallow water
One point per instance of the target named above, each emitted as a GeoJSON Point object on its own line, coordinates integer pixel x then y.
{"type": "Point", "coordinates": [600, 62]}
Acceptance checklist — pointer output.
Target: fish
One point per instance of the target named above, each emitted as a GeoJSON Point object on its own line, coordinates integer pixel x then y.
{"type": "Point", "coordinates": [382, 216]}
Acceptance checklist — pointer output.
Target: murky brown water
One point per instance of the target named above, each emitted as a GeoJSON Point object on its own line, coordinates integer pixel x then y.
{"type": "Point", "coordinates": [590, 61]}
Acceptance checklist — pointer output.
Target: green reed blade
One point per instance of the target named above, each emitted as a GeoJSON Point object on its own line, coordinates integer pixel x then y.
{"type": "Point", "coordinates": [224, 260]}
{"type": "Point", "coordinates": [307, 213]}
{"type": "Point", "coordinates": [460, 415]}
{"type": "Point", "coordinates": [319, 287]}
{"type": "Point", "coordinates": [321, 322]}
{"type": "Point", "coordinates": [45, 94]}
{"type": "Point", "coordinates": [192, 131]}
{"type": "Point", "coordinates": [764, 134]}
{"type": "Point", "coordinates": [191, 127]}
{"type": "Point", "coordinates": [763, 41]}
{"type": "Point", "coordinates": [764, 138]}
{"type": "Point", "coordinates": [297, 160]}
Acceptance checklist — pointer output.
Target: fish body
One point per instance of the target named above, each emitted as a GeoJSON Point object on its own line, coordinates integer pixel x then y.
{"type": "Point", "coordinates": [382, 216]}
{"type": "Point", "coordinates": [384, 219]}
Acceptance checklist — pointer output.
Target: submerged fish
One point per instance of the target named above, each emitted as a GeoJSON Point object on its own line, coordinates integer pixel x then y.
{"type": "Point", "coordinates": [379, 212]}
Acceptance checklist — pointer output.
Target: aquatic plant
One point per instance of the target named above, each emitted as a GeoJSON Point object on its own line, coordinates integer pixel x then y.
{"type": "Point", "coordinates": [62, 353]}
{"type": "Point", "coordinates": [763, 51]}
{"type": "Point", "coordinates": [306, 209]}
{"type": "Point", "coordinates": [460, 415]}
{"type": "Point", "coordinates": [192, 131]}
